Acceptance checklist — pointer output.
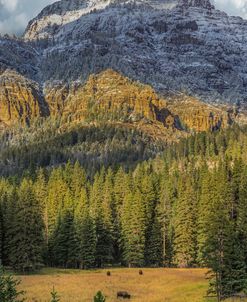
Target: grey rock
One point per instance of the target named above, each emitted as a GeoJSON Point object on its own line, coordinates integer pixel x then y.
{"type": "Point", "coordinates": [174, 45]}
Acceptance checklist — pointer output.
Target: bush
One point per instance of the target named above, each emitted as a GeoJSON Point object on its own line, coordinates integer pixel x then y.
{"type": "Point", "coordinates": [99, 297]}
{"type": "Point", "coordinates": [8, 288]}
{"type": "Point", "coordinates": [54, 296]}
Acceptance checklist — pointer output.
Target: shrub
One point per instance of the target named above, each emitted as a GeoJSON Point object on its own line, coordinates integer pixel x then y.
{"type": "Point", "coordinates": [54, 296]}
{"type": "Point", "coordinates": [99, 297]}
{"type": "Point", "coordinates": [8, 288]}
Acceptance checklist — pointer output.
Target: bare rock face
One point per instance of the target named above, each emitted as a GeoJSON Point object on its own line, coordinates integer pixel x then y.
{"type": "Point", "coordinates": [197, 116]}
{"type": "Point", "coordinates": [20, 100]}
{"type": "Point", "coordinates": [197, 3]}
{"type": "Point", "coordinates": [63, 66]}
{"type": "Point", "coordinates": [108, 96]}
{"type": "Point", "coordinates": [63, 12]}
{"type": "Point", "coordinates": [19, 56]}
{"type": "Point", "coordinates": [172, 45]}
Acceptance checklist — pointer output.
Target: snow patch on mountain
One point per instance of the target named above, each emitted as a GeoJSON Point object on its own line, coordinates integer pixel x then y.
{"type": "Point", "coordinates": [173, 45]}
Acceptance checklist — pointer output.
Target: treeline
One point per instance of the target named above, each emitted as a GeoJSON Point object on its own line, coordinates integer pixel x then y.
{"type": "Point", "coordinates": [45, 144]}
{"type": "Point", "coordinates": [183, 209]}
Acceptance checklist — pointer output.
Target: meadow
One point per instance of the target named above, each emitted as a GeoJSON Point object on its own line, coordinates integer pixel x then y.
{"type": "Point", "coordinates": [155, 285]}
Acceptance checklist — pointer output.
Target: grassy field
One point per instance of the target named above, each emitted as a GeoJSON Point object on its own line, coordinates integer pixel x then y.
{"type": "Point", "coordinates": [156, 285]}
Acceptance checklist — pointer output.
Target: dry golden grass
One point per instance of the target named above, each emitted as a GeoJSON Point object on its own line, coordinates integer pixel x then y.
{"type": "Point", "coordinates": [156, 285]}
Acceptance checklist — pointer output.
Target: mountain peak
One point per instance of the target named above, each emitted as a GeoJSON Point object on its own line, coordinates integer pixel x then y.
{"type": "Point", "coordinates": [66, 11]}
{"type": "Point", "coordinates": [173, 45]}
{"type": "Point", "coordinates": [196, 3]}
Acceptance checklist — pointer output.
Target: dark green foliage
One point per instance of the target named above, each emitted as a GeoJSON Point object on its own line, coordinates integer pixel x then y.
{"type": "Point", "coordinates": [92, 147]}
{"type": "Point", "coordinates": [86, 232]}
{"type": "Point", "coordinates": [185, 224]}
{"type": "Point", "coordinates": [153, 254]}
{"type": "Point", "coordinates": [185, 208]}
{"type": "Point", "coordinates": [8, 288]}
{"type": "Point", "coordinates": [65, 242]}
{"type": "Point", "coordinates": [27, 241]}
{"type": "Point", "coordinates": [99, 297]}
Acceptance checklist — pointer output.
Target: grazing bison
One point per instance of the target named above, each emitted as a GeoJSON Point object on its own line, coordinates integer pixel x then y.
{"type": "Point", "coordinates": [123, 295]}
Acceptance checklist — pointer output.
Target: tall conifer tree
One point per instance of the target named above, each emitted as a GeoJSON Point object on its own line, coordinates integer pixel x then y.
{"type": "Point", "coordinates": [27, 242]}
{"type": "Point", "coordinates": [86, 232]}
{"type": "Point", "coordinates": [185, 225]}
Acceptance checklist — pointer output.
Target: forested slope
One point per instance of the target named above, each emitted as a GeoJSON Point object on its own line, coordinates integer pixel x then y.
{"type": "Point", "coordinates": [185, 208]}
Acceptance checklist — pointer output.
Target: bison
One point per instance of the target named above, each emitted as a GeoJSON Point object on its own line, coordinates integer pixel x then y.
{"type": "Point", "coordinates": [124, 295]}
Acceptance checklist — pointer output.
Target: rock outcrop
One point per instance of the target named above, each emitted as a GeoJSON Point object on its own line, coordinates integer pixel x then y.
{"type": "Point", "coordinates": [108, 96]}
{"type": "Point", "coordinates": [193, 115]}
{"type": "Point", "coordinates": [20, 100]}
{"type": "Point", "coordinates": [172, 45]}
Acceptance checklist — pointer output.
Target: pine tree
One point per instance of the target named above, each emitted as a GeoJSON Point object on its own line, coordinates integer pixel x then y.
{"type": "Point", "coordinates": [168, 192]}
{"type": "Point", "coordinates": [134, 229]}
{"type": "Point", "coordinates": [99, 297]}
{"type": "Point", "coordinates": [109, 213]}
{"type": "Point", "coordinates": [1, 234]}
{"type": "Point", "coordinates": [40, 190]}
{"type": "Point", "coordinates": [120, 190]}
{"type": "Point", "coordinates": [241, 230]}
{"type": "Point", "coordinates": [125, 221]}
{"type": "Point", "coordinates": [27, 242]}
{"type": "Point", "coordinates": [242, 212]}
{"type": "Point", "coordinates": [54, 296]}
{"type": "Point", "coordinates": [65, 242]}
{"type": "Point", "coordinates": [219, 244]}
{"type": "Point", "coordinates": [9, 206]}
{"type": "Point", "coordinates": [86, 233]}
{"type": "Point", "coordinates": [154, 247]}
{"type": "Point", "coordinates": [153, 237]}
{"type": "Point", "coordinates": [58, 190]}
{"type": "Point", "coordinates": [78, 180]}
{"type": "Point", "coordinates": [8, 288]}
{"type": "Point", "coordinates": [185, 225]}
{"type": "Point", "coordinates": [204, 213]}
{"type": "Point", "coordinates": [100, 212]}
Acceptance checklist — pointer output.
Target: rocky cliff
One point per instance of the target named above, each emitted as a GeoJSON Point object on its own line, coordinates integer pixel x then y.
{"type": "Point", "coordinates": [173, 45]}
{"type": "Point", "coordinates": [21, 100]}
{"type": "Point", "coordinates": [196, 116]}
{"type": "Point", "coordinates": [107, 97]}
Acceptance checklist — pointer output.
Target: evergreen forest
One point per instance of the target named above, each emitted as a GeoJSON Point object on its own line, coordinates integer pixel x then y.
{"type": "Point", "coordinates": [187, 207]}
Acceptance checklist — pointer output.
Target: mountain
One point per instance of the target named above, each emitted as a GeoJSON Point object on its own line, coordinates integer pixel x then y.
{"type": "Point", "coordinates": [153, 90]}
{"type": "Point", "coordinates": [172, 45]}
{"type": "Point", "coordinates": [109, 120]}
{"type": "Point", "coordinates": [107, 97]}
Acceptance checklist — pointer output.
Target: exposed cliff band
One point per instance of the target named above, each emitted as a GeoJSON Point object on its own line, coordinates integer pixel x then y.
{"type": "Point", "coordinates": [108, 97]}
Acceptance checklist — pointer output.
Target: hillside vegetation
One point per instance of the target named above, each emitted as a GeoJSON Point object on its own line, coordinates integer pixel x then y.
{"type": "Point", "coordinates": [186, 208]}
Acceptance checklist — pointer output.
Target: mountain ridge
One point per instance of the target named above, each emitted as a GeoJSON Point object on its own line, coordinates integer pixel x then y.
{"type": "Point", "coordinates": [109, 97]}
{"type": "Point", "coordinates": [192, 48]}
{"type": "Point", "coordinates": [180, 47]}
